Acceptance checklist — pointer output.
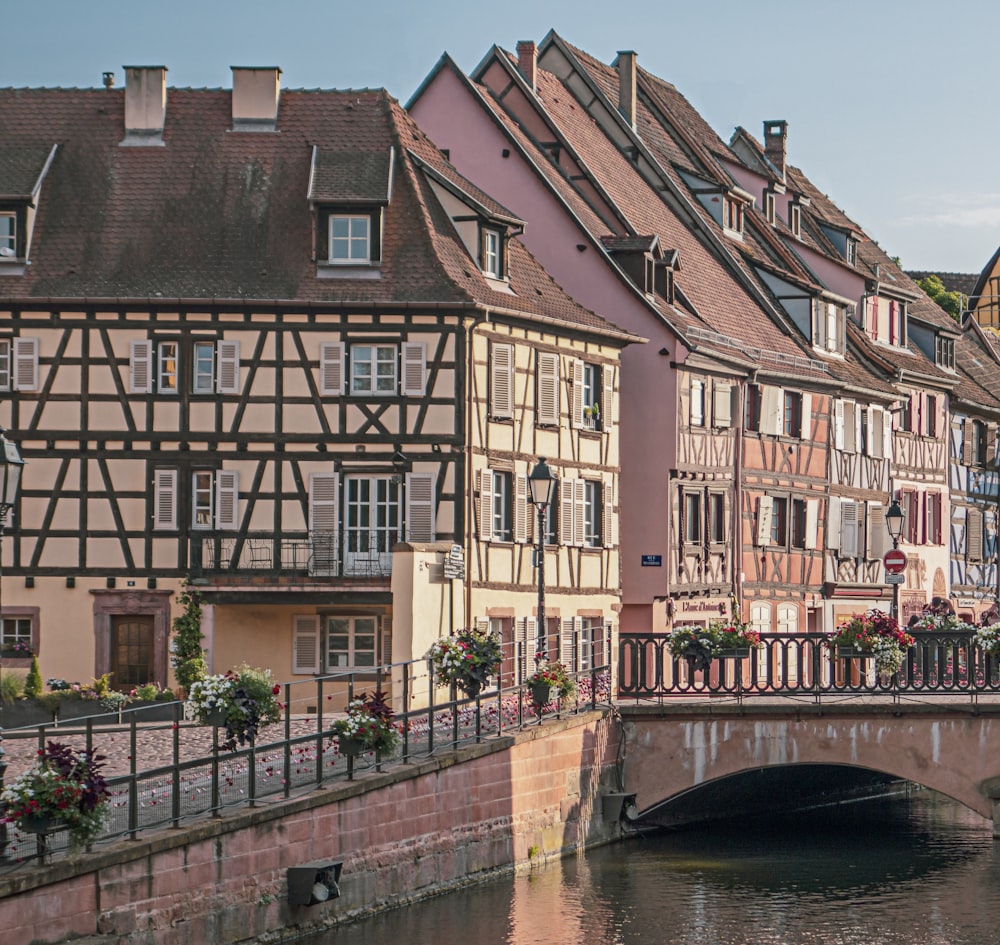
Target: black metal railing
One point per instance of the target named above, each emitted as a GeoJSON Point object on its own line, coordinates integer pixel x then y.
{"type": "Point", "coordinates": [804, 664]}
{"type": "Point", "coordinates": [316, 554]}
{"type": "Point", "coordinates": [188, 776]}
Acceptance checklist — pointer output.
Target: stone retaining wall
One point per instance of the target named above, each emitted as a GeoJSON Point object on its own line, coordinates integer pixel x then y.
{"type": "Point", "coordinates": [409, 832]}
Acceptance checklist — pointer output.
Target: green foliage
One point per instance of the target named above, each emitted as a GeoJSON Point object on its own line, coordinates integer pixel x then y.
{"type": "Point", "coordinates": [952, 302]}
{"type": "Point", "coordinates": [188, 657]}
{"type": "Point", "coordinates": [33, 684]}
{"type": "Point", "coordinates": [11, 686]}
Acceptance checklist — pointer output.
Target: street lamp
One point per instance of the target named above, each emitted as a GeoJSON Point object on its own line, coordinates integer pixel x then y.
{"type": "Point", "coordinates": [542, 487]}
{"type": "Point", "coordinates": [894, 522]}
{"type": "Point", "coordinates": [11, 465]}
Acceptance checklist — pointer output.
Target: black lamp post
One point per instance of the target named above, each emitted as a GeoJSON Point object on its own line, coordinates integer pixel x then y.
{"type": "Point", "coordinates": [894, 522]}
{"type": "Point", "coordinates": [541, 485]}
{"type": "Point", "coordinates": [11, 465]}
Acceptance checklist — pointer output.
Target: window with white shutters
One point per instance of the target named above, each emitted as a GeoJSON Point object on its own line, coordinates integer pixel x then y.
{"type": "Point", "coordinates": [502, 381]}
{"type": "Point", "coordinates": [547, 388]}
{"type": "Point", "coordinates": [849, 516]}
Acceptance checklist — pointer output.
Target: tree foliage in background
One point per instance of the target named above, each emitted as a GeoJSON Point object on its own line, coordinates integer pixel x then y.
{"type": "Point", "coordinates": [952, 302]}
{"type": "Point", "coordinates": [188, 657]}
{"type": "Point", "coordinates": [33, 684]}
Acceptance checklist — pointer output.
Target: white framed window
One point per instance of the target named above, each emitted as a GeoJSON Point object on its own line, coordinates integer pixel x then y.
{"type": "Point", "coordinates": [8, 235]}
{"type": "Point", "coordinates": [349, 238]}
{"type": "Point", "coordinates": [373, 369]}
{"type": "Point", "coordinates": [760, 617]}
{"type": "Point", "coordinates": [591, 392]}
{"type": "Point", "coordinates": [732, 216]}
{"type": "Point", "coordinates": [502, 508]}
{"type": "Point", "coordinates": [795, 219]}
{"type": "Point", "coordinates": [166, 367]}
{"type": "Point", "coordinates": [492, 261]}
{"type": "Point", "coordinates": [4, 364]}
{"type": "Point", "coordinates": [372, 523]}
{"type": "Point", "coordinates": [692, 525]}
{"type": "Point", "coordinates": [214, 499]}
{"type": "Point", "coordinates": [15, 630]}
{"type": "Point", "coordinates": [769, 207]}
{"type": "Point", "coordinates": [593, 517]}
{"type": "Point", "coordinates": [203, 367]}
{"type": "Point", "coordinates": [351, 643]}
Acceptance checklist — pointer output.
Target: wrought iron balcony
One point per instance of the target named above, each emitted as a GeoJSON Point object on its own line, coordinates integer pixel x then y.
{"type": "Point", "coordinates": [354, 554]}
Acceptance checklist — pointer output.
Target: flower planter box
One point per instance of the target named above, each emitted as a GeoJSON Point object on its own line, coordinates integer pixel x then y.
{"type": "Point", "coordinates": [24, 714]}
{"type": "Point", "coordinates": [739, 653]}
{"type": "Point", "coordinates": [543, 693]}
{"type": "Point", "coordinates": [849, 653]}
{"type": "Point", "coordinates": [351, 747]}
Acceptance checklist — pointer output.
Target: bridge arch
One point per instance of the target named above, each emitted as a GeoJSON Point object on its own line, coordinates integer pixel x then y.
{"type": "Point", "coordinates": [671, 750]}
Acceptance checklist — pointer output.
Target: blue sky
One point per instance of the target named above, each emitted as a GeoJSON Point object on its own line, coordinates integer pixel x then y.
{"type": "Point", "coordinates": [883, 97]}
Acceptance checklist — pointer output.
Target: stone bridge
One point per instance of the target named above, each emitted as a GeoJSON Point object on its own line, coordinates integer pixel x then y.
{"type": "Point", "coordinates": [682, 759]}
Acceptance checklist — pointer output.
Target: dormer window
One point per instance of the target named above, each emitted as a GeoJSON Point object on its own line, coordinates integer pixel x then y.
{"type": "Point", "coordinates": [492, 253]}
{"type": "Point", "coordinates": [769, 207]}
{"type": "Point", "coordinates": [851, 252]}
{"type": "Point", "coordinates": [944, 352]}
{"type": "Point", "coordinates": [732, 216]}
{"type": "Point", "coordinates": [828, 327]}
{"type": "Point", "coordinates": [795, 219]}
{"type": "Point", "coordinates": [350, 239]}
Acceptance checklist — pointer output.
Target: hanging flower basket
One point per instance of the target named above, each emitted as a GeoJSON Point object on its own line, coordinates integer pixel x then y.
{"type": "Point", "coordinates": [368, 726]}
{"type": "Point", "coordinates": [243, 700]}
{"type": "Point", "coordinates": [542, 693]}
{"type": "Point", "coordinates": [549, 682]}
{"type": "Point", "coordinates": [467, 660]}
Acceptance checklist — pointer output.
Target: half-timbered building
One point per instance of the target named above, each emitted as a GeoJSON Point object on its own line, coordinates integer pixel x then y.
{"type": "Point", "coordinates": [270, 342]}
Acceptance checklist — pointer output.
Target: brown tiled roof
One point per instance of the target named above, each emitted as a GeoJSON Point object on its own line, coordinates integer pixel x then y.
{"type": "Point", "coordinates": [963, 282]}
{"type": "Point", "coordinates": [218, 214]}
{"type": "Point", "coordinates": [20, 169]}
{"type": "Point", "coordinates": [351, 176]}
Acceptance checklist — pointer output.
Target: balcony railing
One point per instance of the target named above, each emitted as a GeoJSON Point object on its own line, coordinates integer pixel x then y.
{"type": "Point", "coordinates": [319, 554]}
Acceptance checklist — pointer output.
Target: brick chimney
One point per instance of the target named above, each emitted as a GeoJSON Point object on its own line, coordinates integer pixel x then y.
{"type": "Point", "coordinates": [626, 63]}
{"type": "Point", "coordinates": [775, 142]}
{"type": "Point", "coordinates": [527, 61]}
{"type": "Point", "coordinates": [256, 91]}
{"type": "Point", "coordinates": [145, 104]}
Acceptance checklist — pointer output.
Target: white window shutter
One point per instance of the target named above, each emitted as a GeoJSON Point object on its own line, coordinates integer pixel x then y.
{"type": "Point", "coordinates": [850, 427]}
{"type": "Point", "coordinates": [967, 429]}
{"type": "Point", "coordinates": [764, 509]}
{"type": "Point", "coordinates": [849, 529]}
{"type": "Point", "coordinates": [323, 522]}
{"type": "Point", "coordinates": [419, 507]}
{"type": "Point", "coordinates": [833, 523]}
{"type": "Point", "coordinates": [385, 640]}
{"type": "Point", "coordinates": [878, 534]}
{"type": "Point", "coordinates": [567, 638]}
{"type": "Point", "coordinates": [227, 375]}
{"type": "Point", "coordinates": [331, 368]}
{"type": "Point", "coordinates": [566, 510]}
{"type": "Point", "coordinates": [165, 499]}
{"type": "Point", "coordinates": [520, 508]}
{"type": "Point", "coordinates": [812, 523]}
{"type": "Point", "coordinates": [25, 364]}
{"type": "Point", "coordinates": [227, 493]}
{"type": "Point", "coordinates": [607, 508]}
{"type": "Point", "coordinates": [806, 428]}
{"type": "Point", "coordinates": [608, 404]}
{"type": "Point", "coordinates": [696, 414]}
{"type": "Point", "coordinates": [305, 644]}
{"type": "Point", "coordinates": [722, 406]}
{"type": "Point", "coordinates": [838, 424]}
{"type": "Point", "coordinates": [531, 644]}
{"type": "Point", "coordinates": [140, 368]}
{"type": "Point", "coordinates": [876, 432]}
{"type": "Point", "coordinates": [576, 400]}
{"type": "Point", "coordinates": [486, 504]}
{"type": "Point", "coordinates": [414, 369]}
{"type": "Point", "coordinates": [770, 410]}
{"type": "Point", "coordinates": [502, 381]}
{"type": "Point", "coordinates": [547, 366]}
{"type": "Point", "coordinates": [887, 434]}
{"type": "Point", "coordinates": [579, 507]}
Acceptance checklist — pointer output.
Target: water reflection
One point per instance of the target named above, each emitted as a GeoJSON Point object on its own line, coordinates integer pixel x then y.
{"type": "Point", "coordinates": [917, 871]}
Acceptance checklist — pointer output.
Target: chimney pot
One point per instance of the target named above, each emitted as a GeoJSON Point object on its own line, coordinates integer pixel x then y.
{"type": "Point", "coordinates": [527, 62]}
{"type": "Point", "coordinates": [775, 144]}
{"type": "Point", "coordinates": [627, 85]}
{"type": "Point", "coordinates": [256, 92]}
{"type": "Point", "coordinates": [109, 80]}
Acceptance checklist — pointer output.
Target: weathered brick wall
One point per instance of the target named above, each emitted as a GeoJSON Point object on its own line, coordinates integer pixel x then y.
{"type": "Point", "coordinates": [407, 832]}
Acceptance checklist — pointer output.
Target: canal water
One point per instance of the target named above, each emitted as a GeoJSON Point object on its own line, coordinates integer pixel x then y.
{"type": "Point", "coordinates": [908, 870]}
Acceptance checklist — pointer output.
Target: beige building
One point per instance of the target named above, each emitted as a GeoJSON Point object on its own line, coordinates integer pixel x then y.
{"type": "Point", "coordinates": [270, 342]}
